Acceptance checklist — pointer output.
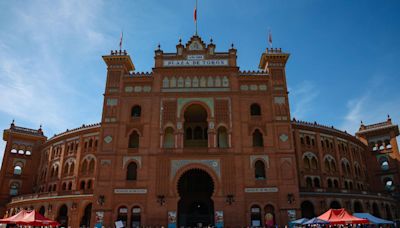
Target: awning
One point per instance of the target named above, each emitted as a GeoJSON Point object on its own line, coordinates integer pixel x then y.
{"type": "Point", "coordinates": [372, 219]}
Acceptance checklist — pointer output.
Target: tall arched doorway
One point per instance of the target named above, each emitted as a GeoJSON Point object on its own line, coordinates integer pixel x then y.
{"type": "Point", "coordinates": [63, 216]}
{"type": "Point", "coordinates": [196, 131]}
{"type": "Point", "coordinates": [85, 221]}
{"type": "Point", "coordinates": [307, 209]}
{"type": "Point", "coordinates": [335, 205]}
{"type": "Point", "coordinates": [358, 207]}
{"type": "Point", "coordinates": [195, 206]}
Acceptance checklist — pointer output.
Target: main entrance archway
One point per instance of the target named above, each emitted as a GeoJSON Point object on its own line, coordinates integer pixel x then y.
{"type": "Point", "coordinates": [195, 206]}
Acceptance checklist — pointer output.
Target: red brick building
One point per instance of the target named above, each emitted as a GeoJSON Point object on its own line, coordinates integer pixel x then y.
{"type": "Point", "coordinates": [199, 141]}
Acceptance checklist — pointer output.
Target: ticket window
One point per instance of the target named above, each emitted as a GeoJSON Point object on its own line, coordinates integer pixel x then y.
{"type": "Point", "coordinates": [255, 216]}
{"type": "Point", "coordinates": [135, 217]}
{"type": "Point", "coordinates": [123, 215]}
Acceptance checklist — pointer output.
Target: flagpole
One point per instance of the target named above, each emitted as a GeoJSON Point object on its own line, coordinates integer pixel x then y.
{"type": "Point", "coordinates": [196, 17]}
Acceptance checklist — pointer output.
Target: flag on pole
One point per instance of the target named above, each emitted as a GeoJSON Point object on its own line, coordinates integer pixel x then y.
{"type": "Point", "coordinates": [270, 38]}
{"type": "Point", "coordinates": [195, 16]}
{"type": "Point", "coordinates": [120, 41]}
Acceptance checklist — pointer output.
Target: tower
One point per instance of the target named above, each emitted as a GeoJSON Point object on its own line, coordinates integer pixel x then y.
{"type": "Point", "coordinates": [383, 159]}
{"type": "Point", "coordinates": [20, 162]}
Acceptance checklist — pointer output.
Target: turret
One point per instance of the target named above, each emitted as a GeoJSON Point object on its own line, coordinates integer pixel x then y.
{"type": "Point", "coordinates": [20, 162]}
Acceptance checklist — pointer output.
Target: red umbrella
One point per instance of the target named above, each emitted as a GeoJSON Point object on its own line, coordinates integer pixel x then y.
{"type": "Point", "coordinates": [341, 216]}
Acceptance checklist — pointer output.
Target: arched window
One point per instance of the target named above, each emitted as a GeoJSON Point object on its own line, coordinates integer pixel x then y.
{"type": "Point", "coordinates": [330, 184]}
{"type": "Point", "coordinates": [259, 170]}
{"type": "Point", "coordinates": [344, 169]}
{"type": "Point", "coordinates": [14, 187]}
{"type": "Point", "coordinates": [71, 168]}
{"type": "Point", "coordinates": [66, 169]}
{"type": "Point", "coordinates": [189, 133]}
{"type": "Point", "coordinates": [308, 140]}
{"type": "Point", "coordinates": [136, 111]}
{"type": "Point", "coordinates": [17, 170]}
{"type": "Point", "coordinates": [70, 186]}
{"type": "Point", "coordinates": [255, 216]}
{"type": "Point", "coordinates": [327, 166]}
{"type": "Point", "coordinates": [131, 171]}
{"type": "Point", "coordinates": [269, 216]}
{"type": "Point", "coordinates": [317, 183]}
{"type": "Point", "coordinates": [255, 110]}
{"type": "Point", "coordinates": [123, 215]}
{"type": "Point", "coordinates": [82, 186]}
{"type": "Point", "coordinates": [54, 188]}
{"type": "Point", "coordinates": [134, 140]}
{"type": "Point", "coordinates": [84, 167]}
{"type": "Point", "coordinates": [91, 166]}
{"type": "Point", "coordinates": [135, 217]}
{"type": "Point", "coordinates": [222, 137]}
{"type": "Point", "coordinates": [307, 210]}
{"type": "Point", "coordinates": [308, 182]}
{"type": "Point", "coordinates": [314, 163]}
{"type": "Point", "coordinates": [258, 140]}
{"type": "Point", "coordinates": [306, 163]}
{"type": "Point", "coordinates": [64, 186]}
{"type": "Point", "coordinates": [169, 140]}
{"type": "Point", "coordinates": [333, 166]}
{"type": "Point", "coordinates": [335, 205]}
{"type": "Point", "coordinates": [198, 133]}
{"type": "Point", "coordinates": [336, 183]}
{"type": "Point", "coordinates": [89, 184]}
{"type": "Point", "coordinates": [42, 210]}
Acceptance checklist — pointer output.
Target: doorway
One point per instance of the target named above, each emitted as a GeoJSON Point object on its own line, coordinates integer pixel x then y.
{"type": "Point", "coordinates": [195, 207]}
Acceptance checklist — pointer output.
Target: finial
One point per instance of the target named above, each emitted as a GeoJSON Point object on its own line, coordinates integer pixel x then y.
{"type": "Point", "coordinates": [362, 122]}
{"type": "Point", "coordinates": [180, 40]}
{"type": "Point", "coordinates": [40, 127]}
{"type": "Point", "coordinates": [388, 116]}
{"type": "Point", "coordinates": [12, 123]}
{"type": "Point", "coordinates": [232, 45]}
{"type": "Point", "coordinates": [211, 40]}
{"type": "Point", "coordinates": [159, 46]}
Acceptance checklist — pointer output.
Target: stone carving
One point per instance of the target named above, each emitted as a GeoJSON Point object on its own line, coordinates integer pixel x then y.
{"type": "Point", "coordinates": [208, 101]}
{"type": "Point", "coordinates": [253, 87]}
{"type": "Point", "coordinates": [195, 82]}
{"type": "Point", "coordinates": [283, 137]}
{"type": "Point", "coordinates": [253, 158]}
{"type": "Point", "coordinates": [108, 139]}
{"type": "Point", "coordinates": [126, 159]}
{"type": "Point", "coordinates": [178, 164]}
{"type": "Point", "coordinates": [105, 162]}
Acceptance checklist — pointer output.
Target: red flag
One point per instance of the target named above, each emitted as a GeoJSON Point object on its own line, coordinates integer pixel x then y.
{"type": "Point", "coordinates": [270, 38]}
{"type": "Point", "coordinates": [120, 41]}
{"type": "Point", "coordinates": [195, 14]}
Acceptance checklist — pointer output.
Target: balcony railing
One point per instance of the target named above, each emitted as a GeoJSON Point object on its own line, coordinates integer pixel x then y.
{"type": "Point", "coordinates": [49, 194]}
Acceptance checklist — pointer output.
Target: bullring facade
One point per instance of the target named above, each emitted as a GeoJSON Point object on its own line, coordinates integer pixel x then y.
{"type": "Point", "coordinates": [198, 141]}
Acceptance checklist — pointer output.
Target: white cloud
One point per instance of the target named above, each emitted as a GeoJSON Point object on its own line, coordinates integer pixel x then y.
{"type": "Point", "coordinates": [35, 46]}
{"type": "Point", "coordinates": [302, 99]}
{"type": "Point", "coordinates": [370, 108]}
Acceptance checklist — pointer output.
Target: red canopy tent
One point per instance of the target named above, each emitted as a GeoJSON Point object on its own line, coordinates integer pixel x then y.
{"type": "Point", "coordinates": [11, 220]}
{"type": "Point", "coordinates": [341, 216]}
{"type": "Point", "coordinates": [31, 218]}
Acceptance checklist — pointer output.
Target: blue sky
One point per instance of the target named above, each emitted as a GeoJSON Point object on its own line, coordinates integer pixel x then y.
{"type": "Point", "coordinates": [343, 66]}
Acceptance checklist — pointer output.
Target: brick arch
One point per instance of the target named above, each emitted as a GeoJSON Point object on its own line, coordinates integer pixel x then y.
{"type": "Point", "coordinates": [130, 131]}
{"type": "Point", "coordinates": [208, 170]}
{"type": "Point", "coordinates": [209, 110]}
{"type": "Point", "coordinates": [88, 157]}
{"type": "Point", "coordinates": [167, 125]}
{"type": "Point", "coordinates": [258, 128]}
